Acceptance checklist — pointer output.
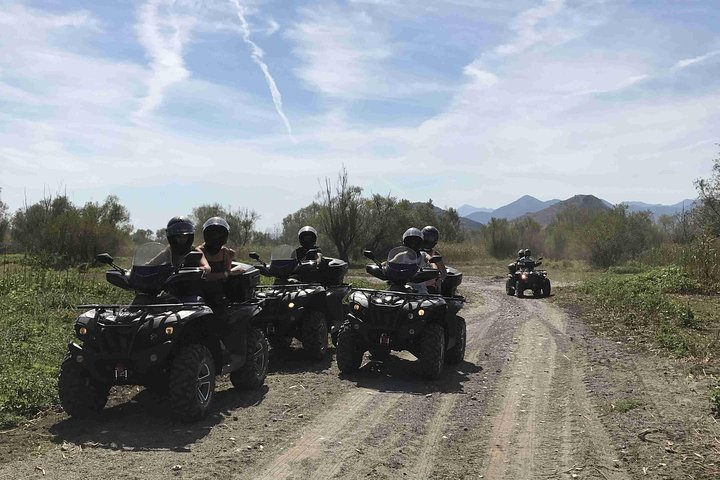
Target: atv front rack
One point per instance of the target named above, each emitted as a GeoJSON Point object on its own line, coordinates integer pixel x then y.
{"type": "Point", "coordinates": [296, 286]}
{"type": "Point", "coordinates": [140, 307]}
{"type": "Point", "coordinates": [409, 294]}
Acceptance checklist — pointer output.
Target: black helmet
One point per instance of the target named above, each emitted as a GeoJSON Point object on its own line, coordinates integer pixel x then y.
{"type": "Point", "coordinates": [527, 252]}
{"type": "Point", "coordinates": [413, 238]}
{"type": "Point", "coordinates": [521, 253]}
{"type": "Point", "coordinates": [215, 232]}
{"type": "Point", "coordinates": [180, 233]}
{"type": "Point", "coordinates": [430, 235]}
{"type": "Point", "coordinates": [307, 236]}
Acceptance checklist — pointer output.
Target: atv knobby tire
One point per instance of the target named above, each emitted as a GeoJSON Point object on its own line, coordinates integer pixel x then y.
{"type": "Point", "coordinates": [80, 396]}
{"type": "Point", "coordinates": [456, 354]}
{"type": "Point", "coordinates": [537, 291]}
{"type": "Point", "coordinates": [348, 353]}
{"type": "Point", "coordinates": [192, 383]}
{"type": "Point", "coordinates": [315, 335]}
{"type": "Point", "coordinates": [509, 287]}
{"type": "Point", "coordinates": [519, 290]}
{"type": "Point", "coordinates": [546, 288]}
{"type": "Point", "coordinates": [432, 351]}
{"type": "Point", "coordinates": [251, 376]}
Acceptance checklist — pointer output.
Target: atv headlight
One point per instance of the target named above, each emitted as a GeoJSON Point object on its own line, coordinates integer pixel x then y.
{"type": "Point", "coordinates": [421, 312]}
{"type": "Point", "coordinates": [83, 330]}
{"type": "Point", "coordinates": [169, 330]}
{"type": "Point", "coordinates": [291, 305]}
{"type": "Point", "coordinates": [356, 307]}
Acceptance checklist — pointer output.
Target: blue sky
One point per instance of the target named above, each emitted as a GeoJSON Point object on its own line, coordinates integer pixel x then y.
{"type": "Point", "coordinates": [251, 104]}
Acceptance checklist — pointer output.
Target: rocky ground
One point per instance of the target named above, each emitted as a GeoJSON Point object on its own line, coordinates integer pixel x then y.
{"type": "Point", "coordinates": [539, 396]}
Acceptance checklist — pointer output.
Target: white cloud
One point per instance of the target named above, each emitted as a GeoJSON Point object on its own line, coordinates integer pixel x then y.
{"type": "Point", "coordinates": [272, 27]}
{"type": "Point", "coordinates": [257, 55]}
{"type": "Point", "coordinates": [348, 54]}
{"type": "Point", "coordinates": [163, 35]}
{"type": "Point", "coordinates": [480, 78]}
{"type": "Point", "coordinates": [339, 49]}
{"type": "Point", "coordinates": [692, 61]}
{"type": "Point", "coordinates": [526, 28]}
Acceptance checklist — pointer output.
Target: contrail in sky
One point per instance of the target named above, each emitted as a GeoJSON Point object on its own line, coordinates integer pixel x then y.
{"type": "Point", "coordinates": [257, 54]}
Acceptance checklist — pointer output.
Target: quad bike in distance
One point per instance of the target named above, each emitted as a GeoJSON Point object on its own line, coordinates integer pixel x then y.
{"type": "Point", "coordinates": [167, 339]}
{"type": "Point", "coordinates": [400, 318]}
{"type": "Point", "coordinates": [523, 275]}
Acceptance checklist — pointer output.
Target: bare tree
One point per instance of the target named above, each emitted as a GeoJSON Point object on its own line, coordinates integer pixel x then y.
{"type": "Point", "coordinates": [708, 210]}
{"type": "Point", "coordinates": [4, 221]}
{"type": "Point", "coordinates": [340, 213]}
{"type": "Point", "coordinates": [242, 222]}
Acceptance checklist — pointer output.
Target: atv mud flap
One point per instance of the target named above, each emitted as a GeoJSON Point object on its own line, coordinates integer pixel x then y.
{"type": "Point", "coordinates": [121, 370]}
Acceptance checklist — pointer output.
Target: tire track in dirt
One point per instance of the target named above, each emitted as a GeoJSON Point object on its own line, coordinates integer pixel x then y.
{"type": "Point", "coordinates": [333, 427]}
{"type": "Point", "coordinates": [353, 441]}
{"type": "Point", "coordinates": [530, 414]}
{"type": "Point", "coordinates": [438, 423]}
{"type": "Point", "coordinates": [545, 423]}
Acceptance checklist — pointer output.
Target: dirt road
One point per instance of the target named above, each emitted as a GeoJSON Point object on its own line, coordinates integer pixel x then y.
{"type": "Point", "coordinates": [537, 397]}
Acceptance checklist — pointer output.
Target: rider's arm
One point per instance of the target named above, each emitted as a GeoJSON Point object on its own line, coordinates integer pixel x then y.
{"type": "Point", "coordinates": [204, 265]}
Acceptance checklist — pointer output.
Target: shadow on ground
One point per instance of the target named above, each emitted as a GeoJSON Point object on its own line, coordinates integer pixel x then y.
{"type": "Point", "coordinates": [398, 374]}
{"type": "Point", "coordinates": [142, 421]}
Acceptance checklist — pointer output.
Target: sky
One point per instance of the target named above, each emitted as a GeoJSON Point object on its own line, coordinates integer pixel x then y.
{"type": "Point", "coordinates": [172, 104]}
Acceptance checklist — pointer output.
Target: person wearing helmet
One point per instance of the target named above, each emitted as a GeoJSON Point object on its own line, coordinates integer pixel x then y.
{"type": "Point", "coordinates": [512, 268]}
{"type": "Point", "coordinates": [527, 260]}
{"type": "Point", "coordinates": [308, 250]}
{"type": "Point", "coordinates": [430, 236]}
{"type": "Point", "coordinates": [413, 239]}
{"type": "Point", "coordinates": [219, 257]}
{"type": "Point", "coordinates": [180, 233]}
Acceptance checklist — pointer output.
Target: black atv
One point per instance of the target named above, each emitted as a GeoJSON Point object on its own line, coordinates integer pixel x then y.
{"type": "Point", "coordinates": [305, 300]}
{"type": "Point", "coordinates": [523, 276]}
{"type": "Point", "coordinates": [167, 339]}
{"type": "Point", "coordinates": [400, 318]}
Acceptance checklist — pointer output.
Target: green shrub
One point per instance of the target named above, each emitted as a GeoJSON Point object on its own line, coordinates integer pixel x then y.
{"type": "Point", "coordinates": [626, 404]}
{"type": "Point", "coordinates": [36, 325]}
{"type": "Point", "coordinates": [627, 268]}
{"type": "Point", "coordinates": [649, 300]}
{"type": "Point", "coordinates": [715, 397]}
{"type": "Point", "coordinates": [672, 339]}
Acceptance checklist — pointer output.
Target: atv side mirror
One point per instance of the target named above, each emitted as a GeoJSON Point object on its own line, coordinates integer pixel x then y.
{"type": "Point", "coordinates": [107, 259]}
{"type": "Point", "coordinates": [369, 254]}
{"type": "Point", "coordinates": [254, 256]}
{"type": "Point", "coordinates": [104, 258]}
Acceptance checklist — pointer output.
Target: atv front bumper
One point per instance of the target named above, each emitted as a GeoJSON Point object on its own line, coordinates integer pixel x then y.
{"type": "Point", "coordinates": [392, 331]}
{"type": "Point", "coordinates": [127, 369]}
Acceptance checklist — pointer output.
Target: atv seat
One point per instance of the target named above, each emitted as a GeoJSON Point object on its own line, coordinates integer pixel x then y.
{"type": "Point", "coordinates": [451, 283]}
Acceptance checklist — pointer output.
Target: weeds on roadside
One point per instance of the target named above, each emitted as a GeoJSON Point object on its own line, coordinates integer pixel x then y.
{"type": "Point", "coordinates": [624, 405]}
{"type": "Point", "coordinates": [715, 398]}
{"type": "Point", "coordinates": [653, 303]}
{"type": "Point", "coordinates": [35, 327]}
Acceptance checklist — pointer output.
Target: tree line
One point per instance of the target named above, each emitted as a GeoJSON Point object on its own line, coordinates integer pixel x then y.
{"type": "Point", "coordinates": [348, 222]}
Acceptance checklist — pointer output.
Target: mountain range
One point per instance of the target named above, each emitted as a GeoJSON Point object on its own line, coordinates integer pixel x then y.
{"type": "Point", "coordinates": [544, 212]}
